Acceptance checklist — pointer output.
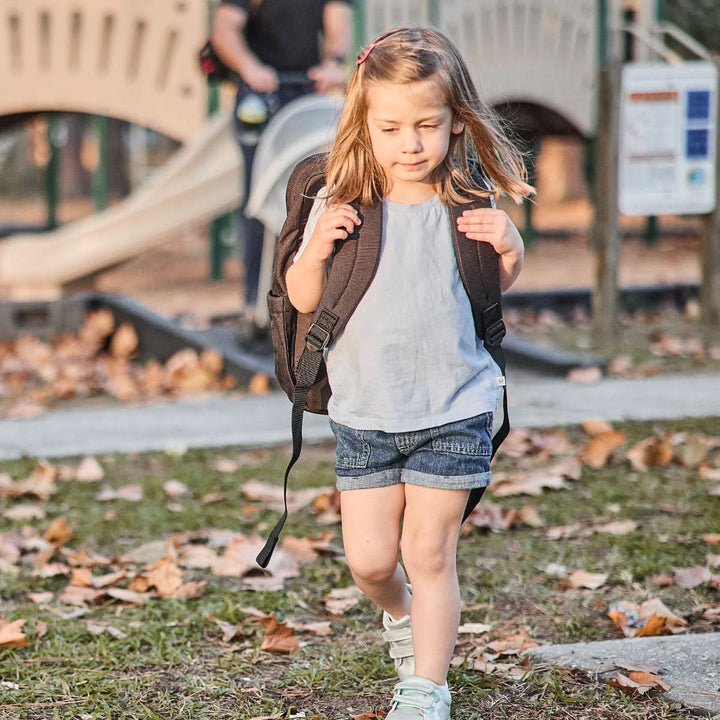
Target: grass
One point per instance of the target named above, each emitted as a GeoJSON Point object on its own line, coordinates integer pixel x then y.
{"type": "Point", "coordinates": [169, 660]}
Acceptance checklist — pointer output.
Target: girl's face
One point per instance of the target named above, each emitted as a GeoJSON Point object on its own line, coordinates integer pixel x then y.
{"type": "Point", "coordinates": [410, 128]}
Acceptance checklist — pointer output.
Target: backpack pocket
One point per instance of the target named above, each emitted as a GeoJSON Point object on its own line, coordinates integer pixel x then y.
{"type": "Point", "coordinates": [282, 328]}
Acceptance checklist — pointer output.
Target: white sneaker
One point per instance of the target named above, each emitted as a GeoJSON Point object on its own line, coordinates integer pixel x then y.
{"type": "Point", "coordinates": [419, 699]}
{"type": "Point", "coordinates": [398, 634]}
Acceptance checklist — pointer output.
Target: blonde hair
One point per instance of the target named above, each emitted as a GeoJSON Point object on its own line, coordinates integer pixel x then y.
{"type": "Point", "coordinates": [407, 55]}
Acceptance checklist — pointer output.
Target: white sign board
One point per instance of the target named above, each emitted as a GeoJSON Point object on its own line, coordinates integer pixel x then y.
{"type": "Point", "coordinates": [668, 119]}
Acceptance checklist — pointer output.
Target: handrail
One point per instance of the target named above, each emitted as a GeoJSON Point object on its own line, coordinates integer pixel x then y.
{"type": "Point", "coordinates": [678, 34]}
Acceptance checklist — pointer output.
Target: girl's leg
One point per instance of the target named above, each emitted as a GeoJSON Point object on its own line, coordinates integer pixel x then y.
{"type": "Point", "coordinates": [431, 528]}
{"type": "Point", "coordinates": [371, 536]}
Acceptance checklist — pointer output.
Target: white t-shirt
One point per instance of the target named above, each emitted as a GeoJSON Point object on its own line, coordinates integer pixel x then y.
{"type": "Point", "coordinates": [409, 358]}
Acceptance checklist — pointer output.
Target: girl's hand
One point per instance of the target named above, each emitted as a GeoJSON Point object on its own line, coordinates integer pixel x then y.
{"type": "Point", "coordinates": [495, 227]}
{"type": "Point", "coordinates": [336, 223]}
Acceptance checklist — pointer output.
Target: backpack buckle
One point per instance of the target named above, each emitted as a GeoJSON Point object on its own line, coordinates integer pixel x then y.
{"type": "Point", "coordinates": [494, 325]}
{"type": "Point", "coordinates": [317, 337]}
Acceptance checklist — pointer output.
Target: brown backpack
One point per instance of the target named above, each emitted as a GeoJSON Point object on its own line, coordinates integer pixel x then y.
{"type": "Point", "coordinates": [299, 339]}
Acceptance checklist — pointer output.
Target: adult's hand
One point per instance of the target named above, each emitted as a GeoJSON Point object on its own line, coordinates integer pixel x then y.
{"type": "Point", "coordinates": [261, 78]}
{"type": "Point", "coordinates": [327, 77]}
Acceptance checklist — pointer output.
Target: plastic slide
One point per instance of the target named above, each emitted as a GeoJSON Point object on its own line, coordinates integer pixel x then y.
{"type": "Point", "coordinates": [202, 180]}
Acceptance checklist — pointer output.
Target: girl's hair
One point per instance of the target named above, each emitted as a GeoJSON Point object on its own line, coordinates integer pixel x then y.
{"type": "Point", "coordinates": [407, 55]}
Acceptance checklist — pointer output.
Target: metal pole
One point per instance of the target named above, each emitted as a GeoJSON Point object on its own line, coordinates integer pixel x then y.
{"type": "Point", "coordinates": [99, 181]}
{"type": "Point", "coordinates": [359, 25]}
{"type": "Point", "coordinates": [219, 225]}
{"type": "Point", "coordinates": [52, 173]}
{"type": "Point", "coordinates": [710, 242]}
{"type": "Point", "coordinates": [434, 14]}
{"type": "Point", "coordinates": [605, 231]}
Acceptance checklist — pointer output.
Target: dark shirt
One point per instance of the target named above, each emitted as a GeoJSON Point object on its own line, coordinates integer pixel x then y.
{"type": "Point", "coordinates": [284, 34]}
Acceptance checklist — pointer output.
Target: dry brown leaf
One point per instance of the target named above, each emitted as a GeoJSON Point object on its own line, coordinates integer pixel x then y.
{"type": "Point", "coordinates": [96, 327]}
{"type": "Point", "coordinates": [712, 538]}
{"type": "Point", "coordinates": [647, 619]}
{"type": "Point", "coordinates": [89, 470]}
{"type": "Point", "coordinates": [694, 451]}
{"type": "Point", "coordinates": [124, 342]}
{"type": "Point", "coordinates": [690, 577]}
{"type": "Point", "coordinates": [190, 590]}
{"type": "Point", "coordinates": [259, 384]}
{"type": "Point", "coordinates": [654, 451]}
{"type": "Point", "coordinates": [279, 637]}
{"type": "Point", "coordinates": [130, 493]}
{"type": "Point", "coordinates": [175, 489]}
{"type": "Point", "coordinates": [26, 511]}
{"type": "Point", "coordinates": [58, 533]}
{"type": "Point", "coordinates": [639, 682]}
{"type": "Point", "coordinates": [595, 426]}
{"type": "Point", "coordinates": [165, 576]}
{"type": "Point", "coordinates": [41, 598]}
{"type": "Point", "coordinates": [212, 361]}
{"type": "Point", "coordinates": [617, 527]}
{"type": "Point", "coordinates": [474, 629]}
{"type": "Point", "coordinates": [340, 600]}
{"type": "Point", "coordinates": [11, 634]}
{"type": "Point", "coordinates": [127, 596]}
{"type": "Point", "coordinates": [75, 595]}
{"type": "Point", "coordinates": [585, 375]}
{"type": "Point", "coordinates": [599, 449]}
{"type": "Point", "coordinates": [583, 579]}
{"type": "Point", "coordinates": [82, 577]}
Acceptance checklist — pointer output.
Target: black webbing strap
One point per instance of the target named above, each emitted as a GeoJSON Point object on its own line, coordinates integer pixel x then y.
{"type": "Point", "coordinates": [318, 337]}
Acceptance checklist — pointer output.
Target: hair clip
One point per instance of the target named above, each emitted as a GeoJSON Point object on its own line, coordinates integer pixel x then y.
{"type": "Point", "coordinates": [364, 54]}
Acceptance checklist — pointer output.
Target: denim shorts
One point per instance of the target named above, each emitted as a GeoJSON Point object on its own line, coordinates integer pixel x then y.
{"type": "Point", "coordinates": [455, 456]}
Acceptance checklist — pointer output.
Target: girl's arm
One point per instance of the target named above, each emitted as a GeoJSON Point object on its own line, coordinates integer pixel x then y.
{"type": "Point", "coordinates": [495, 227]}
{"type": "Point", "coordinates": [307, 275]}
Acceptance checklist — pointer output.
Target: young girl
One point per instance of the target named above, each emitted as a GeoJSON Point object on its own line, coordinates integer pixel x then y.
{"type": "Point", "coordinates": [413, 389]}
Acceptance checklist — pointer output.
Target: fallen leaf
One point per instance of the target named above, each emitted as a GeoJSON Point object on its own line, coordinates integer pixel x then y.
{"type": "Point", "coordinates": [175, 489]}
{"type": "Point", "coordinates": [600, 447]}
{"type": "Point", "coordinates": [652, 451]}
{"type": "Point", "coordinates": [124, 341]}
{"type": "Point", "coordinates": [595, 426]}
{"type": "Point", "coordinates": [278, 636]}
{"type": "Point", "coordinates": [259, 384]}
{"type": "Point", "coordinates": [585, 375]}
{"type": "Point", "coordinates": [11, 634]}
{"type": "Point", "coordinates": [24, 512]}
{"type": "Point", "coordinates": [89, 470]}
{"type": "Point", "coordinates": [340, 600]}
{"type": "Point", "coordinates": [582, 579]}
{"type": "Point", "coordinates": [59, 532]}
{"type": "Point", "coordinates": [474, 629]}
{"type": "Point", "coordinates": [617, 527]}
{"type": "Point", "coordinates": [690, 577]}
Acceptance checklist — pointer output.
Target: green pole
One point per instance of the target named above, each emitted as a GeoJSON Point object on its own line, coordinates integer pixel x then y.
{"type": "Point", "coordinates": [359, 25]}
{"type": "Point", "coordinates": [100, 176]}
{"type": "Point", "coordinates": [434, 12]}
{"type": "Point", "coordinates": [52, 173]}
{"type": "Point", "coordinates": [219, 226]}
{"type": "Point", "coordinates": [603, 40]}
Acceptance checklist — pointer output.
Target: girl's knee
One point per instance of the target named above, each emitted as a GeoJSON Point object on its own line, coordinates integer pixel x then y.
{"type": "Point", "coordinates": [372, 568]}
{"type": "Point", "coordinates": [428, 555]}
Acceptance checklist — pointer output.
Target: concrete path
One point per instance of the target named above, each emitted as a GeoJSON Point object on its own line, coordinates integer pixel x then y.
{"type": "Point", "coordinates": [265, 420]}
{"type": "Point", "coordinates": [690, 664]}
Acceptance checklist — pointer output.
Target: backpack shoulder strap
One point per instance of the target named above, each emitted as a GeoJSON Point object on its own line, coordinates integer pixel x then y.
{"type": "Point", "coordinates": [480, 275]}
{"type": "Point", "coordinates": [352, 269]}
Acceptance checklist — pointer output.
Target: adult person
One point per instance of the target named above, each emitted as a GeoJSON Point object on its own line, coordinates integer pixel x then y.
{"type": "Point", "coordinates": [280, 49]}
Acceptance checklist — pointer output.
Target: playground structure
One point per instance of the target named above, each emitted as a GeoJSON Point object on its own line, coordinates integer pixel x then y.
{"type": "Point", "coordinates": [137, 61]}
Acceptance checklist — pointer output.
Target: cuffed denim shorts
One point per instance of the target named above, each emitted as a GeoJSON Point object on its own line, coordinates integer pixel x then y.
{"type": "Point", "coordinates": [455, 456]}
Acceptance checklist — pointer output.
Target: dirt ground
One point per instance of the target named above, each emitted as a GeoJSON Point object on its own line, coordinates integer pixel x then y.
{"type": "Point", "coordinates": [174, 279]}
